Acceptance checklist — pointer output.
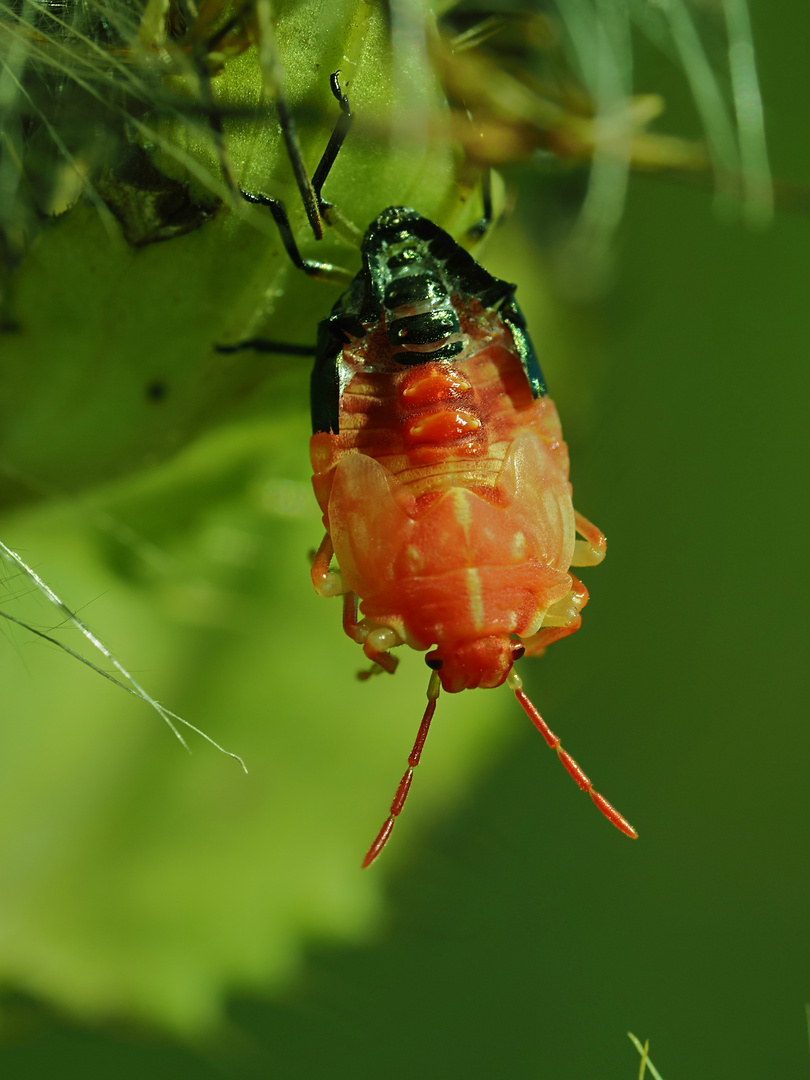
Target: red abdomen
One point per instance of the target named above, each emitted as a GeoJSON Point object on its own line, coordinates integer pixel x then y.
{"type": "Point", "coordinates": [446, 491]}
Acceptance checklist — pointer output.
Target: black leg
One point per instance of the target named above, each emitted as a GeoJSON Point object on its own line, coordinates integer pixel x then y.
{"type": "Point", "coordinates": [310, 192]}
{"type": "Point", "coordinates": [214, 119]}
{"type": "Point", "coordinates": [277, 209]}
{"type": "Point", "coordinates": [482, 226]}
{"type": "Point", "coordinates": [305, 188]}
{"type": "Point", "coordinates": [264, 345]}
{"type": "Point", "coordinates": [339, 133]}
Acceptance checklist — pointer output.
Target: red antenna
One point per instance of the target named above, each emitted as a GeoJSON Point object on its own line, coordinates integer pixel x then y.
{"type": "Point", "coordinates": [434, 686]}
{"type": "Point", "coordinates": [570, 766]}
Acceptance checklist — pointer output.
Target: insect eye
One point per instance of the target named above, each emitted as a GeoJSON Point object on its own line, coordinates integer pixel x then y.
{"type": "Point", "coordinates": [517, 652]}
{"type": "Point", "coordinates": [433, 661]}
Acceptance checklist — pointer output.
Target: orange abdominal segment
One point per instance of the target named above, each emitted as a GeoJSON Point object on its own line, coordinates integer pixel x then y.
{"type": "Point", "coordinates": [433, 383]}
{"type": "Point", "coordinates": [441, 427]}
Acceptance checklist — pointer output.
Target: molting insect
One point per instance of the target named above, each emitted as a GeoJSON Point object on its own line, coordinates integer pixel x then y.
{"type": "Point", "coordinates": [440, 469]}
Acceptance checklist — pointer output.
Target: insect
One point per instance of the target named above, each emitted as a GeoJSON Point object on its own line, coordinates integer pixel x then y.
{"type": "Point", "coordinates": [440, 470]}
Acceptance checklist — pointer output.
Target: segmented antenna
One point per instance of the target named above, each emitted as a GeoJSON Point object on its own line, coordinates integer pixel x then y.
{"type": "Point", "coordinates": [570, 766]}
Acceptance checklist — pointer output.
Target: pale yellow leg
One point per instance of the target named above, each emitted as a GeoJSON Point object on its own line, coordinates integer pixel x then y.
{"type": "Point", "coordinates": [325, 581]}
{"type": "Point", "coordinates": [562, 619]}
{"type": "Point", "coordinates": [591, 549]}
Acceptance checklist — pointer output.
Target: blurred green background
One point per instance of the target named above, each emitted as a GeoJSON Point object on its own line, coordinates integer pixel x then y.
{"type": "Point", "coordinates": [512, 932]}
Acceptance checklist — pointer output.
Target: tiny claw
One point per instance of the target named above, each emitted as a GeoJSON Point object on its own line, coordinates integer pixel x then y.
{"type": "Point", "coordinates": [367, 673]}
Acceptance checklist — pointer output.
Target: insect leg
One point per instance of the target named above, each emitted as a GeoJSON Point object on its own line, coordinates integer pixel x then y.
{"type": "Point", "coordinates": [265, 345]}
{"type": "Point", "coordinates": [350, 615]}
{"type": "Point", "coordinates": [310, 192]}
{"type": "Point", "coordinates": [279, 212]}
{"type": "Point", "coordinates": [591, 550]}
{"type": "Point", "coordinates": [273, 75]}
{"type": "Point", "coordinates": [539, 642]}
{"type": "Point", "coordinates": [325, 581]}
{"type": "Point", "coordinates": [376, 645]}
{"type": "Point", "coordinates": [562, 619]}
{"type": "Point", "coordinates": [434, 686]}
{"type": "Point", "coordinates": [336, 139]}
{"type": "Point", "coordinates": [568, 763]}
{"type": "Point", "coordinates": [479, 230]}
{"type": "Point", "coordinates": [305, 188]}
{"type": "Point", "coordinates": [215, 121]}
{"type": "Point", "coordinates": [376, 638]}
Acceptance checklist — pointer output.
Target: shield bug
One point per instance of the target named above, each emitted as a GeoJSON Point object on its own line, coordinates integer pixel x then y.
{"type": "Point", "coordinates": [440, 470]}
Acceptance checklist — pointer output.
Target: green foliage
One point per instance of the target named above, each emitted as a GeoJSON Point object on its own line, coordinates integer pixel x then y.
{"type": "Point", "coordinates": [175, 879]}
{"type": "Point", "coordinates": [136, 881]}
{"type": "Point", "coordinates": [97, 324]}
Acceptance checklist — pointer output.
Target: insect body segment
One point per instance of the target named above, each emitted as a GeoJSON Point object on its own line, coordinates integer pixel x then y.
{"type": "Point", "coordinates": [420, 320]}
{"type": "Point", "coordinates": [404, 308]}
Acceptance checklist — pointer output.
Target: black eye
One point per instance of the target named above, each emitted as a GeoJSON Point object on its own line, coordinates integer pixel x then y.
{"type": "Point", "coordinates": [518, 651]}
{"type": "Point", "coordinates": [433, 661]}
